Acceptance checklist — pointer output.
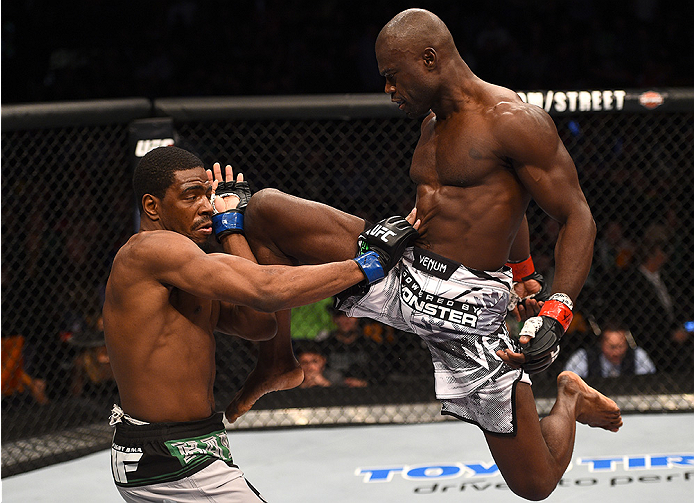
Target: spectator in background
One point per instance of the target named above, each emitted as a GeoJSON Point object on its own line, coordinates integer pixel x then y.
{"type": "Point", "coordinates": [642, 296]}
{"type": "Point", "coordinates": [15, 380]}
{"type": "Point", "coordinates": [613, 252]}
{"type": "Point", "coordinates": [353, 359]}
{"type": "Point", "coordinates": [313, 363]}
{"type": "Point", "coordinates": [91, 372]}
{"type": "Point", "coordinates": [615, 355]}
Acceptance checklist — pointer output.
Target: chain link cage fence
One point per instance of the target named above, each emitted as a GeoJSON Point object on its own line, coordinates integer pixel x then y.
{"type": "Point", "coordinates": [67, 207]}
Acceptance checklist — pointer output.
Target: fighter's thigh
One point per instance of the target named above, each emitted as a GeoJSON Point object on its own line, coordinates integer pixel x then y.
{"type": "Point", "coordinates": [525, 456]}
{"type": "Point", "coordinates": [287, 229]}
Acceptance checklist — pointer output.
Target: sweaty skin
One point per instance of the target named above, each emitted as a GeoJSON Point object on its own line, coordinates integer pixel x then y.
{"type": "Point", "coordinates": [165, 297]}
{"type": "Point", "coordinates": [479, 161]}
{"type": "Point", "coordinates": [482, 156]}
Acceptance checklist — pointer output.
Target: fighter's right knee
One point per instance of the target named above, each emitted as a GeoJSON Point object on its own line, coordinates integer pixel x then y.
{"type": "Point", "coordinates": [265, 215]}
{"type": "Point", "coordinates": [263, 201]}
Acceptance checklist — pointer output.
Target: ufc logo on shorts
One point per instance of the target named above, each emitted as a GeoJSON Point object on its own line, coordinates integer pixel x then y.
{"type": "Point", "coordinates": [378, 231]}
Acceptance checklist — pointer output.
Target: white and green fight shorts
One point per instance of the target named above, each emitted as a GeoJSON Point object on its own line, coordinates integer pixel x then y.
{"type": "Point", "coordinates": [176, 462]}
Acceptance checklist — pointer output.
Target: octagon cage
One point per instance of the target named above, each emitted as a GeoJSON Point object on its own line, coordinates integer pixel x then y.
{"type": "Point", "coordinates": [67, 207]}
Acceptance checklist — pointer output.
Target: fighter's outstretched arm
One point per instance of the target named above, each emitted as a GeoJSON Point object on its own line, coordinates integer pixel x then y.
{"type": "Point", "coordinates": [175, 260]}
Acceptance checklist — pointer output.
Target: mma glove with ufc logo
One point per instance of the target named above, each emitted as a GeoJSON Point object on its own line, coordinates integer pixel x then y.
{"type": "Point", "coordinates": [382, 245]}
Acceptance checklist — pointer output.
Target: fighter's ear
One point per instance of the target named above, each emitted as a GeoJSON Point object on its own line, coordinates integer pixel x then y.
{"type": "Point", "coordinates": [430, 58]}
{"type": "Point", "coordinates": [150, 206]}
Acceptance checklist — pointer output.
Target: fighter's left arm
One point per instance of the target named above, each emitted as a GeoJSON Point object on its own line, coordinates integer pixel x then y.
{"type": "Point", "coordinates": [241, 321]}
{"type": "Point", "coordinates": [529, 140]}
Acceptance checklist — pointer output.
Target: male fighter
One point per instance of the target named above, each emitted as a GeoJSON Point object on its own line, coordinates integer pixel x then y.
{"type": "Point", "coordinates": [482, 155]}
{"type": "Point", "coordinates": [164, 299]}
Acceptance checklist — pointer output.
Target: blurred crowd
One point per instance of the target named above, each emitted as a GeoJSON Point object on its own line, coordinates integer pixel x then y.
{"type": "Point", "coordinates": [103, 49]}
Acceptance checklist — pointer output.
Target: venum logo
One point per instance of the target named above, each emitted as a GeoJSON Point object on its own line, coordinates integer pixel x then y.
{"type": "Point", "coordinates": [144, 146]}
{"type": "Point", "coordinates": [431, 265]}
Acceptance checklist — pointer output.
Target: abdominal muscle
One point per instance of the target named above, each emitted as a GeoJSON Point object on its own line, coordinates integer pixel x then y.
{"type": "Point", "coordinates": [468, 225]}
{"type": "Point", "coordinates": [163, 397]}
{"type": "Point", "coordinates": [166, 377]}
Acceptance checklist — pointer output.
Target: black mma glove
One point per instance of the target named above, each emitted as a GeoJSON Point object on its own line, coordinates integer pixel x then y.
{"type": "Point", "coordinates": [524, 271]}
{"type": "Point", "coordinates": [239, 189]}
{"type": "Point", "coordinates": [545, 288]}
{"type": "Point", "coordinates": [546, 330]}
{"type": "Point", "coordinates": [381, 246]}
{"type": "Point", "coordinates": [230, 221]}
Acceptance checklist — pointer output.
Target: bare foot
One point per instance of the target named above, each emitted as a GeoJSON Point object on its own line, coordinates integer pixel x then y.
{"type": "Point", "coordinates": [260, 382]}
{"type": "Point", "coordinates": [593, 408]}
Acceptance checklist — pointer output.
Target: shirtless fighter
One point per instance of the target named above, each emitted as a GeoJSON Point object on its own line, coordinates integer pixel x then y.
{"type": "Point", "coordinates": [164, 299]}
{"type": "Point", "coordinates": [482, 155]}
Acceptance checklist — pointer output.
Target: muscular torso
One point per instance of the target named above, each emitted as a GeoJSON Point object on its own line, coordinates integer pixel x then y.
{"type": "Point", "coordinates": [469, 198]}
{"type": "Point", "coordinates": [160, 342]}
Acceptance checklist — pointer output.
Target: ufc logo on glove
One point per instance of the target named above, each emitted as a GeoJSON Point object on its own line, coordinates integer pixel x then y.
{"type": "Point", "coordinates": [378, 231]}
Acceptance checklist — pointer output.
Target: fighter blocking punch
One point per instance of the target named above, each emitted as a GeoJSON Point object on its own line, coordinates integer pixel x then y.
{"type": "Point", "coordinates": [165, 298]}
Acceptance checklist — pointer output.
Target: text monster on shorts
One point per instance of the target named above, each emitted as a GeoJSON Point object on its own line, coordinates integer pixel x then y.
{"type": "Point", "coordinates": [433, 305]}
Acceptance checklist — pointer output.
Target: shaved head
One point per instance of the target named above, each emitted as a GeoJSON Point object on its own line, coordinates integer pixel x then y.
{"type": "Point", "coordinates": [418, 58]}
{"type": "Point", "coordinates": [418, 29]}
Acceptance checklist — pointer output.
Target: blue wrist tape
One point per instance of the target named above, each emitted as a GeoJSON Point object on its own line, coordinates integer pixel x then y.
{"type": "Point", "coordinates": [371, 266]}
{"type": "Point", "coordinates": [227, 223]}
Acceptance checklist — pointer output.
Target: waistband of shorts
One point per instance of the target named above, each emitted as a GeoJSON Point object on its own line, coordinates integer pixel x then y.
{"type": "Point", "coordinates": [504, 270]}
{"type": "Point", "coordinates": [435, 256]}
{"type": "Point", "coordinates": [126, 431]}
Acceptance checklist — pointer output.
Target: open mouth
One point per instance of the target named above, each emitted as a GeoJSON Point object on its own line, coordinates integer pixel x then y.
{"type": "Point", "coordinates": [400, 103]}
{"type": "Point", "coordinates": [205, 228]}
